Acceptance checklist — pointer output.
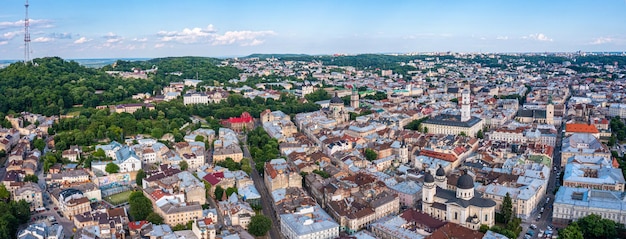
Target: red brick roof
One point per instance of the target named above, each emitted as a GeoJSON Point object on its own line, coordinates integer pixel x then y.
{"type": "Point", "coordinates": [244, 118]}
{"type": "Point", "coordinates": [451, 230]}
{"type": "Point", "coordinates": [438, 155]}
{"type": "Point", "coordinates": [213, 178]}
{"type": "Point", "coordinates": [581, 128]}
{"type": "Point", "coordinates": [136, 225]}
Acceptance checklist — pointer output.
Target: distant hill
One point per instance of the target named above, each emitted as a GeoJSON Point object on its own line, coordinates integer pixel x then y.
{"type": "Point", "coordinates": [53, 85]}
{"type": "Point", "coordinates": [191, 67]}
{"type": "Point", "coordinates": [279, 56]}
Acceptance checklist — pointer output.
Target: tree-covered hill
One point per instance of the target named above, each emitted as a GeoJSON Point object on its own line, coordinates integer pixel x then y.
{"type": "Point", "coordinates": [205, 68]}
{"type": "Point", "coordinates": [52, 84]}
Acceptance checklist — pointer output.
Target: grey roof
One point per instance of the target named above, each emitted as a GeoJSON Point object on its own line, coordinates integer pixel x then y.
{"type": "Point", "coordinates": [428, 178]}
{"type": "Point", "coordinates": [465, 182]}
{"type": "Point", "coordinates": [537, 114]}
{"type": "Point", "coordinates": [440, 171]}
{"type": "Point", "coordinates": [336, 99]}
{"type": "Point", "coordinates": [476, 201]}
{"type": "Point", "coordinates": [453, 120]}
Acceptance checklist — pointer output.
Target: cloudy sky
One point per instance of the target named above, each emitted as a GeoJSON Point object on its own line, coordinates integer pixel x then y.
{"type": "Point", "coordinates": [118, 29]}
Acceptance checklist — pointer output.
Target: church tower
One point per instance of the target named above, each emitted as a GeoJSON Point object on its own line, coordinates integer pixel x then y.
{"type": "Point", "coordinates": [465, 106]}
{"type": "Point", "coordinates": [440, 178]}
{"type": "Point", "coordinates": [550, 112]}
{"type": "Point", "coordinates": [465, 187]}
{"type": "Point", "coordinates": [428, 192]}
{"type": "Point", "coordinates": [354, 98]}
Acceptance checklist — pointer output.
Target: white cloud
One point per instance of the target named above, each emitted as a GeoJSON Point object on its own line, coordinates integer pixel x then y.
{"type": "Point", "coordinates": [43, 39]}
{"type": "Point", "coordinates": [4, 43]}
{"type": "Point", "coordinates": [140, 39]}
{"type": "Point", "coordinates": [244, 38]}
{"type": "Point", "coordinates": [114, 40]}
{"type": "Point", "coordinates": [82, 40]}
{"type": "Point", "coordinates": [11, 35]}
{"type": "Point", "coordinates": [159, 45]}
{"type": "Point", "coordinates": [537, 37]}
{"type": "Point", "coordinates": [187, 35]}
{"type": "Point", "coordinates": [210, 35]}
{"type": "Point", "coordinates": [34, 23]}
{"type": "Point", "coordinates": [602, 40]}
{"type": "Point", "coordinates": [502, 38]}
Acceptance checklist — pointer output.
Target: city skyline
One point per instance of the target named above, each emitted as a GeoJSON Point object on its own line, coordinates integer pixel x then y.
{"type": "Point", "coordinates": [116, 29]}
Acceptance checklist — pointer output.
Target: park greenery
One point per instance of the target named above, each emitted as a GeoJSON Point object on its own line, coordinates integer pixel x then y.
{"type": "Point", "coordinates": [140, 206]}
{"type": "Point", "coordinates": [263, 148]}
{"type": "Point", "coordinates": [259, 225]}
{"type": "Point", "coordinates": [55, 85]}
{"type": "Point", "coordinates": [13, 214]}
{"type": "Point", "coordinates": [591, 226]}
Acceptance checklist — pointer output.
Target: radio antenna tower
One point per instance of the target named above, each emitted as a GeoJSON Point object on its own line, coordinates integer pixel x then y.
{"type": "Point", "coordinates": [26, 36]}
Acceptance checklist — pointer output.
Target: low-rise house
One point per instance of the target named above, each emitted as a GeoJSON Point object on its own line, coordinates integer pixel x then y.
{"type": "Point", "coordinates": [308, 222]}
{"type": "Point", "coordinates": [31, 193]}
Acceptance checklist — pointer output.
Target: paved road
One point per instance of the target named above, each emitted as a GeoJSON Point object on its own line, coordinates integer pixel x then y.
{"type": "Point", "coordinates": [266, 199]}
{"type": "Point", "coordinates": [546, 216]}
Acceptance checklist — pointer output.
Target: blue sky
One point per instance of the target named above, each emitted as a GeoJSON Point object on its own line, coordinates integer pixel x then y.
{"type": "Point", "coordinates": [117, 29]}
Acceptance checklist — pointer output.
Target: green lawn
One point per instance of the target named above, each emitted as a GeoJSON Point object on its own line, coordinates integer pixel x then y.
{"type": "Point", "coordinates": [119, 198]}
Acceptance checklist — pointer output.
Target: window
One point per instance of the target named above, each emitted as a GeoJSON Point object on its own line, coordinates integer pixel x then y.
{"type": "Point", "coordinates": [456, 216]}
{"type": "Point", "coordinates": [486, 218]}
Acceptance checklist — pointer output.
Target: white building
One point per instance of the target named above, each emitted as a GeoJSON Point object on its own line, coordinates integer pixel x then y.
{"type": "Point", "coordinates": [195, 98]}
{"type": "Point", "coordinates": [308, 223]}
{"type": "Point", "coordinates": [42, 231]}
{"type": "Point", "coordinates": [570, 204]}
{"type": "Point", "coordinates": [617, 110]}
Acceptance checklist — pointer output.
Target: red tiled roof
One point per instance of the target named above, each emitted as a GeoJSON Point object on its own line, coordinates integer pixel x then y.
{"type": "Point", "coordinates": [581, 128]}
{"type": "Point", "coordinates": [244, 118]}
{"type": "Point", "coordinates": [437, 155]}
{"type": "Point", "coordinates": [136, 225]}
{"type": "Point", "coordinates": [212, 179]}
{"type": "Point", "coordinates": [157, 194]}
{"type": "Point", "coordinates": [451, 230]}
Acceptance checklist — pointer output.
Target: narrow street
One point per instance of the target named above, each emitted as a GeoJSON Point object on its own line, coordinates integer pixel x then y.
{"type": "Point", "coordinates": [266, 199]}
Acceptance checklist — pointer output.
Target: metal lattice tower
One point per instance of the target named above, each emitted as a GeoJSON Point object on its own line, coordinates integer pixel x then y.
{"type": "Point", "coordinates": [26, 36]}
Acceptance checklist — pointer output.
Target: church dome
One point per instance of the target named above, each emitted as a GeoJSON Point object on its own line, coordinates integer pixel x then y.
{"type": "Point", "coordinates": [336, 99]}
{"type": "Point", "coordinates": [465, 182]}
{"type": "Point", "coordinates": [440, 172]}
{"type": "Point", "coordinates": [428, 178]}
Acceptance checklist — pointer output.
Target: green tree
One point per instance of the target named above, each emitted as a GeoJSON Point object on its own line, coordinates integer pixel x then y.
{"type": "Point", "coordinates": [140, 176]}
{"type": "Point", "coordinates": [230, 191]}
{"type": "Point", "coordinates": [199, 138]}
{"type": "Point", "coordinates": [572, 231]}
{"type": "Point", "coordinates": [39, 144]}
{"type": "Point", "coordinates": [479, 134]}
{"type": "Point", "coordinates": [370, 154]}
{"type": "Point", "coordinates": [594, 226]}
{"type": "Point", "coordinates": [219, 192]}
{"type": "Point", "coordinates": [5, 195]}
{"type": "Point", "coordinates": [140, 206]}
{"type": "Point", "coordinates": [155, 218]}
{"type": "Point", "coordinates": [31, 178]}
{"type": "Point", "coordinates": [99, 153]}
{"type": "Point", "coordinates": [483, 228]}
{"type": "Point", "coordinates": [245, 165]}
{"type": "Point", "coordinates": [112, 168]}
{"type": "Point", "coordinates": [506, 209]}
{"type": "Point", "coordinates": [259, 225]}
{"type": "Point", "coordinates": [183, 165]}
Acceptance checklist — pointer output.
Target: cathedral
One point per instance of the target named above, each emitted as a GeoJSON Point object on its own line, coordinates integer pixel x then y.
{"type": "Point", "coordinates": [336, 110]}
{"type": "Point", "coordinates": [463, 206]}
